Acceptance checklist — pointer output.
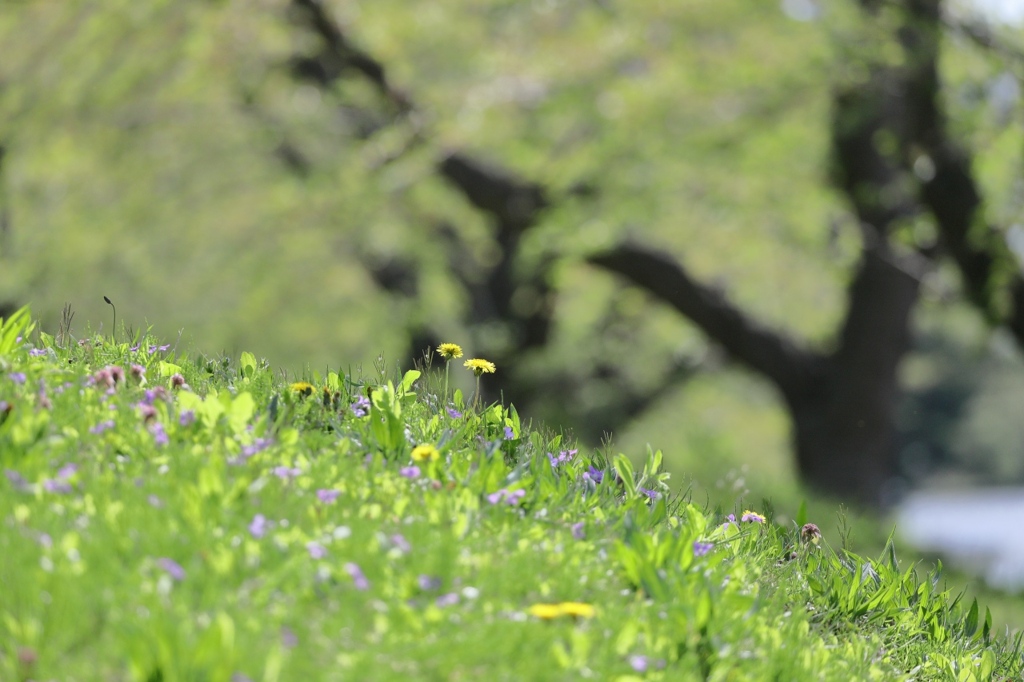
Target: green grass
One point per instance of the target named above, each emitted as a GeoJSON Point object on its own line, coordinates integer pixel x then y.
{"type": "Point", "coordinates": [244, 527]}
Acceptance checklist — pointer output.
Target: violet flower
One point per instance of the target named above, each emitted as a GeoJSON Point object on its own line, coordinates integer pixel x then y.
{"type": "Point", "coordinates": [593, 474]}
{"type": "Point", "coordinates": [361, 407]}
{"type": "Point", "coordinates": [159, 434]}
{"type": "Point", "coordinates": [450, 599]}
{"type": "Point", "coordinates": [102, 426]}
{"type": "Point", "coordinates": [358, 578]}
{"type": "Point", "coordinates": [258, 526]}
{"type": "Point", "coordinates": [285, 473]}
{"type": "Point", "coordinates": [428, 583]}
{"type": "Point", "coordinates": [400, 543]}
{"type": "Point", "coordinates": [172, 568]}
{"type": "Point", "coordinates": [327, 496]}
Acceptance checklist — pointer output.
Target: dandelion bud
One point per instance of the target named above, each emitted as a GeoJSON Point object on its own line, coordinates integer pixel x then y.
{"type": "Point", "coordinates": [810, 533]}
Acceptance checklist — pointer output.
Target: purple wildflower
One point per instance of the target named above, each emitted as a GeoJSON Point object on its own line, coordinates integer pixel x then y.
{"type": "Point", "coordinates": [178, 381]}
{"type": "Point", "coordinates": [358, 578]}
{"type": "Point", "coordinates": [410, 471]}
{"type": "Point", "coordinates": [52, 485]}
{"type": "Point", "coordinates": [17, 377]}
{"type": "Point", "coordinates": [593, 474]}
{"type": "Point", "coordinates": [60, 485]}
{"type": "Point", "coordinates": [160, 393]}
{"type": "Point", "coordinates": [361, 407]}
{"type": "Point", "coordinates": [258, 445]}
{"type": "Point", "coordinates": [450, 599]}
{"type": "Point", "coordinates": [18, 481]}
{"type": "Point", "coordinates": [159, 434]}
{"type": "Point", "coordinates": [652, 494]}
{"type": "Point", "coordinates": [579, 531]}
{"type": "Point", "coordinates": [289, 640]}
{"type": "Point", "coordinates": [285, 473]}
{"type": "Point", "coordinates": [701, 548]}
{"type": "Point", "coordinates": [428, 582]}
{"type": "Point", "coordinates": [400, 543]}
{"type": "Point", "coordinates": [316, 550]}
{"type": "Point", "coordinates": [116, 373]}
{"type": "Point", "coordinates": [37, 352]}
{"type": "Point", "coordinates": [513, 497]}
{"type": "Point", "coordinates": [561, 458]}
{"type": "Point", "coordinates": [327, 496]}
{"type": "Point", "coordinates": [154, 349]}
{"type": "Point", "coordinates": [258, 526]}
{"type": "Point", "coordinates": [172, 568]}
{"type": "Point", "coordinates": [187, 417]}
{"type": "Point", "coordinates": [137, 372]}
{"type": "Point", "coordinates": [638, 663]}
{"type": "Point", "coordinates": [102, 426]}
{"type": "Point", "coordinates": [509, 434]}
{"type": "Point", "coordinates": [454, 414]}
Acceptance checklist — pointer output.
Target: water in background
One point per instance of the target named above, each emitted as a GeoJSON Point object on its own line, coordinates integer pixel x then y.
{"type": "Point", "coordinates": [981, 530]}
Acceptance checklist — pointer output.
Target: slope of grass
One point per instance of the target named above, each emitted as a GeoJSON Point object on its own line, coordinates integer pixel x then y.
{"type": "Point", "coordinates": [165, 517]}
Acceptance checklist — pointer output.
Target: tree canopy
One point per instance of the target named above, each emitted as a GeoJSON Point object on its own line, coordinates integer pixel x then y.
{"type": "Point", "coordinates": [320, 181]}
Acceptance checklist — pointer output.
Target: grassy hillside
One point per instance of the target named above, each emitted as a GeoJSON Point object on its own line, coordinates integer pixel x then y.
{"type": "Point", "coordinates": [192, 518]}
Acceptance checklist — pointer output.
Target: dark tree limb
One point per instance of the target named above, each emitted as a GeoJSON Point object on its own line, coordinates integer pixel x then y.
{"type": "Point", "coordinates": [948, 189]}
{"type": "Point", "coordinates": [763, 350]}
{"type": "Point", "coordinates": [521, 302]}
{"type": "Point", "coordinates": [339, 55]}
{"type": "Point", "coordinates": [515, 204]}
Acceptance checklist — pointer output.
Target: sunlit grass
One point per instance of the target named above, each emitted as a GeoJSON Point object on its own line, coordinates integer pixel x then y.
{"type": "Point", "coordinates": [167, 517]}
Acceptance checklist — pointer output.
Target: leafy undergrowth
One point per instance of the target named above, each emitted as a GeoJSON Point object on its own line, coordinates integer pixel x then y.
{"type": "Point", "coordinates": [167, 518]}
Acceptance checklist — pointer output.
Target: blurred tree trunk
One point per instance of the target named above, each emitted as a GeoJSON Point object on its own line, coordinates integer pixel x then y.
{"type": "Point", "coordinates": [843, 403]}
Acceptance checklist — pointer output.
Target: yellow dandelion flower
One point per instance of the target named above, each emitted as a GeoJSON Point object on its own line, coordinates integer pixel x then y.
{"type": "Point", "coordinates": [545, 611]}
{"type": "Point", "coordinates": [479, 366]}
{"type": "Point", "coordinates": [425, 453]}
{"type": "Point", "coordinates": [449, 350]}
{"type": "Point", "coordinates": [303, 388]}
{"type": "Point", "coordinates": [577, 609]}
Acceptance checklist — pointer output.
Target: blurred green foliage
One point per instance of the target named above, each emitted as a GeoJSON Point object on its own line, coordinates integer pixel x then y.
{"type": "Point", "coordinates": [163, 154]}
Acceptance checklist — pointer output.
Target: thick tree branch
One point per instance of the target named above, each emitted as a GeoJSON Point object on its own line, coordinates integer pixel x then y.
{"type": "Point", "coordinates": [514, 203]}
{"type": "Point", "coordinates": [763, 350]}
{"type": "Point", "coordinates": [498, 293]}
{"type": "Point", "coordinates": [339, 55]}
{"type": "Point", "coordinates": [948, 188]}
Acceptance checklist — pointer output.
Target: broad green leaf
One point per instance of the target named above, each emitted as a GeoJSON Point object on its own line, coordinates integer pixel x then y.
{"type": "Point", "coordinates": [247, 364]}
